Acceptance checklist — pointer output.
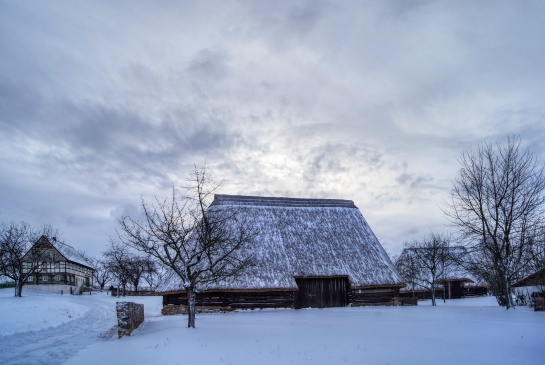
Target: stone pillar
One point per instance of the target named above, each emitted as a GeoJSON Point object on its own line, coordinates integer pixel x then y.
{"type": "Point", "coordinates": [129, 316]}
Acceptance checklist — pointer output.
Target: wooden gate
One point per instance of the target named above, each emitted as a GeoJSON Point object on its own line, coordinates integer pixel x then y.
{"type": "Point", "coordinates": [322, 292]}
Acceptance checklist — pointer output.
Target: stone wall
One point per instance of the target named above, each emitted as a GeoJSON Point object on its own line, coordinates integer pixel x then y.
{"type": "Point", "coordinates": [129, 316]}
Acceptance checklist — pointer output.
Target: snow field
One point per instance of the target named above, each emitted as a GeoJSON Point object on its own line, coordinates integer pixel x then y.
{"type": "Point", "coordinates": [468, 331]}
{"type": "Point", "coordinates": [456, 333]}
{"type": "Point", "coordinates": [35, 311]}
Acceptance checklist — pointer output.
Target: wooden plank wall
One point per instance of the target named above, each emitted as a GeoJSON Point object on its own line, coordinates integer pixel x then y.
{"type": "Point", "coordinates": [321, 292]}
{"type": "Point", "coordinates": [236, 300]}
{"type": "Point", "coordinates": [313, 292]}
{"type": "Point", "coordinates": [375, 296]}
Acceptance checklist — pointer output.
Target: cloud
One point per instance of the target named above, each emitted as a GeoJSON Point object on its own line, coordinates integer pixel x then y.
{"type": "Point", "coordinates": [369, 101]}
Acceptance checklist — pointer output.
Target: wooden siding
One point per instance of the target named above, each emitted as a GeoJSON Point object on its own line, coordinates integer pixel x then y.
{"type": "Point", "coordinates": [235, 299]}
{"type": "Point", "coordinates": [313, 293]}
{"type": "Point", "coordinates": [386, 295]}
{"type": "Point", "coordinates": [321, 292]}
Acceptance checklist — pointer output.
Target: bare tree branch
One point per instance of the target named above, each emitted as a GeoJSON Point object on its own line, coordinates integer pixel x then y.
{"type": "Point", "coordinates": [497, 205]}
{"type": "Point", "coordinates": [198, 242]}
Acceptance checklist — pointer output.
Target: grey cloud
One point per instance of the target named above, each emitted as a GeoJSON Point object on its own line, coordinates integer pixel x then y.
{"type": "Point", "coordinates": [369, 101]}
{"type": "Point", "coordinates": [415, 180]}
{"type": "Point", "coordinates": [209, 64]}
{"type": "Point", "coordinates": [285, 23]}
{"type": "Point", "coordinates": [104, 141]}
{"type": "Point", "coordinates": [126, 210]}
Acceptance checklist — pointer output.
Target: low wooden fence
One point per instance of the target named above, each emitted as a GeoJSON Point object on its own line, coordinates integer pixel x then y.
{"type": "Point", "coordinates": [130, 293]}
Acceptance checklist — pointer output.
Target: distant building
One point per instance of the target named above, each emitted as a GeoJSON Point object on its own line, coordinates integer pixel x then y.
{"type": "Point", "coordinates": [62, 268]}
{"type": "Point", "coordinates": [533, 285]}
{"type": "Point", "coordinates": [308, 252]}
{"type": "Point", "coordinates": [457, 282]}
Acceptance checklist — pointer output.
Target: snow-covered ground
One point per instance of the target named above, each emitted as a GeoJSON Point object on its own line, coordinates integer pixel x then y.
{"type": "Point", "coordinates": [81, 330]}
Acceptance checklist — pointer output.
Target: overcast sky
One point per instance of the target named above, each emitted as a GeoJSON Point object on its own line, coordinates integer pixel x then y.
{"type": "Point", "coordinates": [102, 102]}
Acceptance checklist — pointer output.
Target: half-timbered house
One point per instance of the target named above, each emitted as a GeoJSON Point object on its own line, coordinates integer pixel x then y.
{"type": "Point", "coordinates": [61, 268]}
{"type": "Point", "coordinates": [308, 253]}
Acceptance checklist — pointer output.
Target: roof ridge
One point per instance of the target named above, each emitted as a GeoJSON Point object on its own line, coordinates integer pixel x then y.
{"type": "Point", "coordinates": [224, 199]}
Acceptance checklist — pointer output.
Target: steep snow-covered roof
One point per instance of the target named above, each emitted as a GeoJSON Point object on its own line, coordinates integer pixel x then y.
{"type": "Point", "coordinates": [69, 252]}
{"type": "Point", "coordinates": [72, 254]}
{"type": "Point", "coordinates": [304, 237]}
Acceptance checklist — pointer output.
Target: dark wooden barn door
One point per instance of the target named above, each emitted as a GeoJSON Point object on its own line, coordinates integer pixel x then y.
{"type": "Point", "coordinates": [321, 292]}
{"type": "Point", "coordinates": [455, 291]}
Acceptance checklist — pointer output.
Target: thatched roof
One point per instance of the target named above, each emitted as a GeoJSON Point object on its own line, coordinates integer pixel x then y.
{"type": "Point", "coordinates": [305, 237]}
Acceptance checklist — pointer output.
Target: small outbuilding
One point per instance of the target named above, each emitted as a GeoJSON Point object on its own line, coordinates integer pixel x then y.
{"type": "Point", "coordinates": [308, 252]}
{"type": "Point", "coordinates": [531, 290]}
{"type": "Point", "coordinates": [456, 281]}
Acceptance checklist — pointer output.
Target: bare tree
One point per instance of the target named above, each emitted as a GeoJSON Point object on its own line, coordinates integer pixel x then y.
{"type": "Point", "coordinates": [17, 261]}
{"type": "Point", "coordinates": [536, 252]}
{"type": "Point", "coordinates": [409, 268]}
{"type": "Point", "coordinates": [497, 204]}
{"type": "Point", "coordinates": [426, 262]}
{"type": "Point", "coordinates": [199, 243]}
{"type": "Point", "coordinates": [154, 274]}
{"type": "Point", "coordinates": [117, 260]}
{"type": "Point", "coordinates": [138, 265]}
{"type": "Point", "coordinates": [102, 273]}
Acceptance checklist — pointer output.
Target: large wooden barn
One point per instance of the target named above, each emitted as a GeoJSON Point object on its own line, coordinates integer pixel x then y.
{"type": "Point", "coordinates": [308, 252]}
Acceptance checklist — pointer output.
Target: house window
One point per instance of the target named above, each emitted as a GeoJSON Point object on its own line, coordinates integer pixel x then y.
{"type": "Point", "coordinates": [44, 264]}
{"type": "Point", "coordinates": [57, 265]}
{"type": "Point", "coordinates": [29, 265]}
{"type": "Point", "coordinates": [45, 277]}
{"type": "Point", "coordinates": [30, 278]}
{"type": "Point", "coordinates": [57, 278]}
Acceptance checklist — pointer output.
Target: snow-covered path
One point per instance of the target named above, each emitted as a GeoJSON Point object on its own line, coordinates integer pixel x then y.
{"type": "Point", "coordinates": [55, 344]}
{"type": "Point", "coordinates": [94, 321]}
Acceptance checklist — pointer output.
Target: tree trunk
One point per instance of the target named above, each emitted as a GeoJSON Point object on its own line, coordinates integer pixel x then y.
{"type": "Point", "coordinates": [509, 303]}
{"type": "Point", "coordinates": [191, 307]}
{"type": "Point", "coordinates": [18, 288]}
{"type": "Point", "coordinates": [433, 290]}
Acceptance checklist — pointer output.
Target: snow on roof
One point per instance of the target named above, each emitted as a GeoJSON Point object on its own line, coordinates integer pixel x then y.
{"type": "Point", "coordinates": [535, 279]}
{"type": "Point", "coordinates": [69, 252]}
{"type": "Point", "coordinates": [304, 237]}
{"type": "Point", "coordinates": [72, 254]}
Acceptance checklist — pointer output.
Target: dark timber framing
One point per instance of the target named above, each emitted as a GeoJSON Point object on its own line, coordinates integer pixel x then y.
{"type": "Point", "coordinates": [62, 269]}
